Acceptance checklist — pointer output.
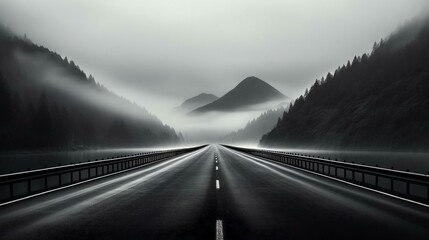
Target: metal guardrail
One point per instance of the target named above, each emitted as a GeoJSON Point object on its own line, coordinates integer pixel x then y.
{"type": "Point", "coordinates": [22, 184]}
{"type": "Point", "coordinates": [413, 186]}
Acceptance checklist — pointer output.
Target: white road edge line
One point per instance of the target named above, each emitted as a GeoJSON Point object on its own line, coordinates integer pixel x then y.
{"type": "Point", "coordinates": [217, 184]}
{"type": "Point", "coordinates": [336, 179]}
{"type": "Point", "coordinates": [219, 230]}
{"type": "Point", "coordinates": [93, 179]}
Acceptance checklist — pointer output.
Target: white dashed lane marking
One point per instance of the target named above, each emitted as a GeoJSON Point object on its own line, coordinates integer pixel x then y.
{"type": "Point", "coordinates": [219, 230]}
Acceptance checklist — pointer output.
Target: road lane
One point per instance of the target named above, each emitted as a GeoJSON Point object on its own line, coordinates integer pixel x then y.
{"type": "Point", "coordinates": [266, 200]}
{"type": "Point", "coordinates": [214, 193]}
{"type": "Point", "coordinates": [172, 199]}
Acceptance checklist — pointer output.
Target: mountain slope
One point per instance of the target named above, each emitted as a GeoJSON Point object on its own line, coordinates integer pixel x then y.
{"type": "Point", "coordinates": [248, 92]}
{"type": "Point", "coordinates": [376, 102]}
{"type": "Point", "coordinates": [254, 129]}
{"type": "Point", "coordinates": [196, 102]}
{"type": "Point", "coordinates": [49, 103]}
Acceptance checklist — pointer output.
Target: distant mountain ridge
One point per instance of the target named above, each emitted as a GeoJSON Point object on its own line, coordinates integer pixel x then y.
{"type": "Point", "coordinates": [378, 101]}
{"type": "Point", "coordinates": [250, 91]}
{"type": "Point", "coordinates": [196, 102]}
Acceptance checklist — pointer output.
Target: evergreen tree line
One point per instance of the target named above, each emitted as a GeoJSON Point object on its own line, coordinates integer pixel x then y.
{"type": "Point", "coordinates": [35, 116]}
{"type": "Point", "coordinates": [255, 128]}
{"type": "Point", "coordinates": [376, 101]}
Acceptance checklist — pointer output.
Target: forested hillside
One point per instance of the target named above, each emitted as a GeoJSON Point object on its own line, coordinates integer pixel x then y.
{"type": "Point", "coordinates": [376, 101]}
{"type": "Point", "coordinates": [48, 102]}
{"type": "Point", "coordinates": [255, 128]}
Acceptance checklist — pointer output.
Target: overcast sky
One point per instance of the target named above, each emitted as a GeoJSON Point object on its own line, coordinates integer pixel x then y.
{"type": "Point", "coordinates": [159, 53]}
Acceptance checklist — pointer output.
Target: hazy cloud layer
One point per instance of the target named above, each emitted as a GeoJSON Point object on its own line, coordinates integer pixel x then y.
{"type": "Point", "coordinates": [158, 53]}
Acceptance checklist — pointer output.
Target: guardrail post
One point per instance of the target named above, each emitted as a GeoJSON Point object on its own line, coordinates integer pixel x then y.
{"type": "Point", "coordinates": [427, 197]}
{"type": "Point", "coordinates": [408, 188]}
{"type": "Point", "coordinates": [376, 181]}
{"type": "Point", "coordinates": [46, 183]}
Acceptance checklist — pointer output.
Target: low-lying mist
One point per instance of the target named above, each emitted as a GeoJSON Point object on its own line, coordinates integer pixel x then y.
{"type": "Point", "coordinates": [49, 103]}
{"type": "Point", "coordinates": [49, 74]}
{"type": "Point", "coordinates": [210, 127]}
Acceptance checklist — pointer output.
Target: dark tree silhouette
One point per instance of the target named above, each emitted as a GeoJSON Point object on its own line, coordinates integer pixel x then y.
{"type": "Point", "coordinates": [36, 116]}
{"type": "Point", "coordinates": [256, 127]}
{"type": "Point", "coordinates": [378, 101]}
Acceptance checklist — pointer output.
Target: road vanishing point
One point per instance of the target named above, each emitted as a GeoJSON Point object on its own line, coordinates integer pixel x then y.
{"type": "Point", "coordinates": [214, 193]}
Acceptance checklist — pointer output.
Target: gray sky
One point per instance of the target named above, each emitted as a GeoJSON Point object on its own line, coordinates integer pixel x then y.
{"type": "Point", "coordinates": [158, 53]}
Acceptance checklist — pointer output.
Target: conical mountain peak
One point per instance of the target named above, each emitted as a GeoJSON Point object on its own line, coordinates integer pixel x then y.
{"type": "Point", "coordinates": [252, 80]}
{"type": "Point", "coordinates": [250, 91]}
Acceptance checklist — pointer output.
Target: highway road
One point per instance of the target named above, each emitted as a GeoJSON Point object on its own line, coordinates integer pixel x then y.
{"type": "Point", "coordinates": [214, 193]}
